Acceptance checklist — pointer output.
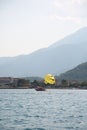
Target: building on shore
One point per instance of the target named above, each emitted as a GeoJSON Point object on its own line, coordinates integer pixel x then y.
{"type": "Point", "coordinates": [10, 82]}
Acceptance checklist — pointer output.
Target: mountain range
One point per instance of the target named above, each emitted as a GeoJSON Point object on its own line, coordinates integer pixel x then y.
{"type": "Point", "coordinates": [55, 59]}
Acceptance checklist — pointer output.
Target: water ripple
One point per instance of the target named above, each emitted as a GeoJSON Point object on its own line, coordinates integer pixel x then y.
{"type": "Point", "coordinates": [52, 110]}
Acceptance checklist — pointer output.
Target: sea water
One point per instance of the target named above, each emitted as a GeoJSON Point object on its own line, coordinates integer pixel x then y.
{"type": "Point", "coordinates": [53, 109]}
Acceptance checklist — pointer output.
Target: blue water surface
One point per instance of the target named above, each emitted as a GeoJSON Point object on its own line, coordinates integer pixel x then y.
{"type": "Point", "coordinates": [53, 109]}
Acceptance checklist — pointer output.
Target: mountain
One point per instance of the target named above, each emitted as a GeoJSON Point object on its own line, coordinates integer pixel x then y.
{"type": "Point", "coordinates": [55, 59]}
{"type": "Point", "coordinates": [78, 73]}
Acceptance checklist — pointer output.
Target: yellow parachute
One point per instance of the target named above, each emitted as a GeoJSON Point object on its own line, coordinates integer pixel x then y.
{"type": "Point", "coordinates": [49, 79]}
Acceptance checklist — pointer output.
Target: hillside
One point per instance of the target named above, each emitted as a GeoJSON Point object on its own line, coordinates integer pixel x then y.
{"type": "Point", "coordinates": [56, 59]}
{"type": "Point", "coordinates": [78, 73]}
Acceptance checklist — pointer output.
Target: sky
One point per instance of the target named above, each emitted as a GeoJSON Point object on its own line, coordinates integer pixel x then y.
{"type": "Point", "coordinates": [28, 25]}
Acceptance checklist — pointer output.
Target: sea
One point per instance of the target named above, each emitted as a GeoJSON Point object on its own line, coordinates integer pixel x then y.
{"type": "Point", "coordinates": [53, 109]}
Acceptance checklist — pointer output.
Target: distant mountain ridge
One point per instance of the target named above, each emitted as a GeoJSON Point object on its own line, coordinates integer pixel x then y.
{"type": "Point", "coordinates": [78, 73]}
{"type": "Point", "coordinates": [56, 59]}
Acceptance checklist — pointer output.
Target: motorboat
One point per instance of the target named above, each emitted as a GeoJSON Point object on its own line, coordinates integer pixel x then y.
{"type": "Point", "coordinates": [40, 88]}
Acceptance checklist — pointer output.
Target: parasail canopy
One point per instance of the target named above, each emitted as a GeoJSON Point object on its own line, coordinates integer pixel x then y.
{"type": "Point", "coordinates": [49, 79]}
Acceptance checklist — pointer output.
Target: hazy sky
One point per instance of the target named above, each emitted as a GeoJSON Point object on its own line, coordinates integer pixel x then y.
{"type": "Point", "coordinates": [27, 25]}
